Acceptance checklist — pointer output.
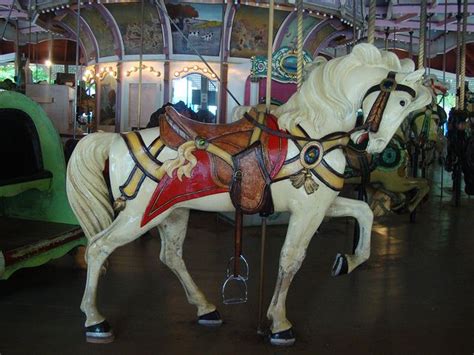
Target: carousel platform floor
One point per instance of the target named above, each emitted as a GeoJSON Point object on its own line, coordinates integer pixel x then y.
{"type": "Point", "coordinates": [414, 296]}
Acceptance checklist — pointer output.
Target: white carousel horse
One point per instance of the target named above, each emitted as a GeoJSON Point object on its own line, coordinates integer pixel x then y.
{"type": "Point", "coordinates": [140, 166]}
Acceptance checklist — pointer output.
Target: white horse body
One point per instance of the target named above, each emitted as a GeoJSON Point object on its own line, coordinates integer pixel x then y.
{"type": "Point", "coordinates": [319, 109]}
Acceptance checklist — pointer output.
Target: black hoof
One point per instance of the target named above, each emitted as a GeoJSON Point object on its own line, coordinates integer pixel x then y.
{"type": "Point", "coordinates": [212, 319]}
{"type": "Point", "coordinates": [284, 338]}
{"type": "Point", "coordinates": [100, 333]}
{"type": "Point", "coordinates": [340, 266]}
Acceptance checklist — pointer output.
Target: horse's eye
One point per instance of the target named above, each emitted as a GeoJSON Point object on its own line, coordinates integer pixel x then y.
{"type": "Point", "coordinates": [402, 102]}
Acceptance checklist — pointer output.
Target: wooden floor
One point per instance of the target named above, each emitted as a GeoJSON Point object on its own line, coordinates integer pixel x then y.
{"type": "Point", "coordinates": [414, 296]}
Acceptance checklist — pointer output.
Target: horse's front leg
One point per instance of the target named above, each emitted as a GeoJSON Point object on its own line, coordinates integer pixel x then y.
{"type": "Point", "coordinates": [302, 227]}
{"type": "Point", "coordinates": [345, 207]}
{"type": "Point", "coordinates": [172, 233]}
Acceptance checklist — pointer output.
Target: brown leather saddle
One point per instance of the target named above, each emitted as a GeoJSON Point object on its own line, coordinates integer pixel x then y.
{"type": "Point", "coordinates": [238, 152]}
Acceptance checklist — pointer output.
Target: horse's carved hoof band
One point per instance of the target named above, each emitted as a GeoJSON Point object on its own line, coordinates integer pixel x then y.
{"type": "Point", "coordinates": [212, 319]}
{"type": "Point", "coordinates": [100, 333]}
{"type": "Point", "coordinates": [284, 338]}
{"type": "Point", "coordinates": [340, 266]}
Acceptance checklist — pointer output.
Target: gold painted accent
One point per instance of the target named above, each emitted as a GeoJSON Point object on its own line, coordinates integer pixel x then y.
{"type": "Point", "coordinates": [131, 187]}
{"type": "Point", "coordinates": [139, 152]}
{"type": "Point", "coordinates": [119, 204]}
{"type": "Point", "coordinates": [213, 149]}
{"type": "Point", "coordinates": [288, 170]}
{"type": "Point", "coordinates": [305, 178]}
{"type": "Point", "coordinates": [257, 132]}
{"type": "Point", "coordinates": [332, 179]}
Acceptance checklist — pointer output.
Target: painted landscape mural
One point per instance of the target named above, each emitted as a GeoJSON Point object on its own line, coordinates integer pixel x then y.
{"type": "Point", "coordinates": [101, 31]}
{"type": "Point", "coordinates": [201, 25]}
{"type": "Point", "coordinates": [127, 16]}
{"type": "Point", "coordinates": [250, 31]}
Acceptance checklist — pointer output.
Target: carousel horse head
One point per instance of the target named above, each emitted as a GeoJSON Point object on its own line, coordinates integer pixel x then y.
{"type": "Point", "coordinates": [424, 129]}
{"type": "Point", "coordinates": [386, 89]}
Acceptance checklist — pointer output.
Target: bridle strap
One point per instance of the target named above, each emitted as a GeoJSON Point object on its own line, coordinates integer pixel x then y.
{"type": "Point", "coordinates": [386, 87]}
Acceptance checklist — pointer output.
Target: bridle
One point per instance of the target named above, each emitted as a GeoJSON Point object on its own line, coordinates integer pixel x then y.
{"type": "Point", "coordinates": [386, 87]}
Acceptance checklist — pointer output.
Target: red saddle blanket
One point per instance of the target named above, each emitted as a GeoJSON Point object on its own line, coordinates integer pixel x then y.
{"type": "Point", "coordinates": [203, 182]}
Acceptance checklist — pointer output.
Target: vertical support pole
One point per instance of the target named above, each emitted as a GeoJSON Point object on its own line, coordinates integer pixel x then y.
{"type": "Point", "coordinates": [421, 42]}
{"type": "Point", "coordinates": [462, 61]}
{"type": "Point", "coordinates": [140, 64]}
{"type": "Point", "coordinates": [166, 81]}
{"type": "Point", "coordinates": [118, 103]}
{"type": "Point", "coordinates": [458, 51]}
{"type": "Point", "coordinates": [387, 33]}
{"type": "Point", "coordinates": [77, 77]}
{"type": "Point", "coordinates": [260, 328]}
{"type": "Point", "coordinates": [411, 45]}
{"type": "Point", "coordinates": [268, 100]}
{"type": "Point", "coordinates": [224, 66]}
{"type": "Point", "coordinates": [354, 35]}
{"type": "Point", "coordinates": [428, 51]}
{"type": "Point", "coordinates": [371, 24]}
{"type": "Point", "coordinates": [444, 79]}
{"type": "Point", "coordinates": [299, 67]}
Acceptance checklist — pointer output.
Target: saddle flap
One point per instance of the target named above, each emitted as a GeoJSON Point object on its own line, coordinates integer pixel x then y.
{"type": "Point", "coordinates": [250, 188]}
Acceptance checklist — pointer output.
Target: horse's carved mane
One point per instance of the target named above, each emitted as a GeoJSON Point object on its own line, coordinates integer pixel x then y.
{"type": "Point", "coordinates": [323, 95]}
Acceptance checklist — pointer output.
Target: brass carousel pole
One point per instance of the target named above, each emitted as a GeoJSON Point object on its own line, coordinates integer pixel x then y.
{"type": "Point", "coordinates": [421, 42]}
{"type": "Point", "coordinates": [140, 64]}
{"type": "Point", "coordinates": [444, 78]}
{"type": "Point", "coordinates": [462, 61]}
{"type": "Point", "coordinates": [268, 101]}
{"type": "Point", "coordinates": [421, 64]}
{"type": "Point", "coordinates": [371, 23]}
{"type": "Point", "coordinates": [76, 74]}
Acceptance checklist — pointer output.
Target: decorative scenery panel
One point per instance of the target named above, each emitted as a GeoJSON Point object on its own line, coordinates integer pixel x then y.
{"type": "Point", "coordinates": [201, 25]}
{"type": "Point", "coordinates": [127, 16]}
{"type": "Point", "coordinates": [250, 30]}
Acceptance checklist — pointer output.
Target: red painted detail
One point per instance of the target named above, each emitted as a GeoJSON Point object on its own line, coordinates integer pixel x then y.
{"type": "Point", "coordinates": [277, 147]}
{"type": "Point", "coordinates": [171, 190]}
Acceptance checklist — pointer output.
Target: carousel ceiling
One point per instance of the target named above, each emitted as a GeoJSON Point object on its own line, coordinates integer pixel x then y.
{"type": "Point", "coordinates": [111, 30]}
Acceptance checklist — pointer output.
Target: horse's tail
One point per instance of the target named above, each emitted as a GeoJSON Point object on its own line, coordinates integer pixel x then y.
{"type": "Point", "coordinates": [86, 187]}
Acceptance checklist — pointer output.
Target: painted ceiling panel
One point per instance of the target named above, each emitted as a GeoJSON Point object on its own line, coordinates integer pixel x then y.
{"type": "Point", "coordinates": [101, 31]}
{"type": "Point", "coordinates": [71, 21]}
{"type": "Point", "coordinates": [200, 23]}
{"type": "Point", "coordinates": [127, 16]}
{"type": "Point", "coordinates": [315, 41]}
{"type": "Point", "coordinates": [250, 31]}
{"type": "Point", "coordinates": [290, 38]}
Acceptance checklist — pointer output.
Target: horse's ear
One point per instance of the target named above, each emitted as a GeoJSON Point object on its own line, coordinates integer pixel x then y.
{"type": "Point", "coordinates": [423, 98]}
{"type": "Point", "coordinates": [407, 65]}
{"type": "Point", "coordinates": [414, 77]}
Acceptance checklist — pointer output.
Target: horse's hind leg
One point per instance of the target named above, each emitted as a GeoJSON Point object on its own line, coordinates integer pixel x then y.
{"type": "Point", "coordinates": [345, 207]}
{"type": "Point", "coordinates": [119, 233]}
{"type": "Point", "coordinates": [172, 233]}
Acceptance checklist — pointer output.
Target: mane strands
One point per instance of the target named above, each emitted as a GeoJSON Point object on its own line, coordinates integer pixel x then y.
{"type": "Point", "coordinates": [322, 96]}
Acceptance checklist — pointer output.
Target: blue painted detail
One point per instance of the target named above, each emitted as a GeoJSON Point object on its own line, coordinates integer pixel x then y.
{"type": "Point", "coordinates": [312, 155]}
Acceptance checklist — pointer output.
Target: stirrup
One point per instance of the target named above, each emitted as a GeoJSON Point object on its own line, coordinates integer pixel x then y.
{"type": "Point", "coordinates": [243, 272]}
{"type": "Point", "coordinates": [238, 282]}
